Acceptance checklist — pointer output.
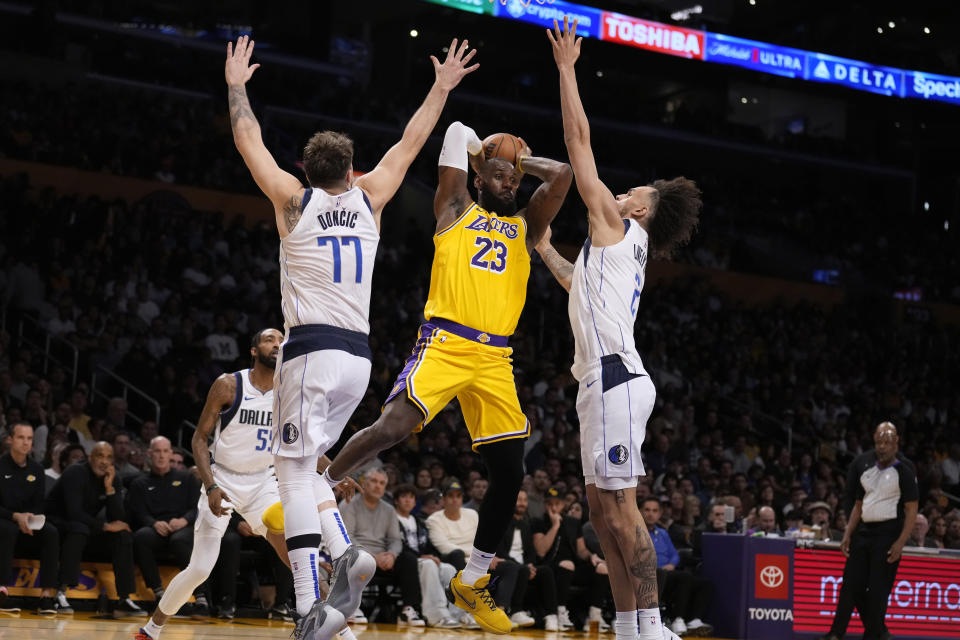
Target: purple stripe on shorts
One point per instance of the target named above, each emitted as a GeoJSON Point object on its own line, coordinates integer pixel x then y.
{"type": "Point", "coordinates": [423, 339]}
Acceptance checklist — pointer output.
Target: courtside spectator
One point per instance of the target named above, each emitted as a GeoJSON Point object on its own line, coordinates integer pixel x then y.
{"type": "Point", "coordinates": [162, 507]}
{"type": "Point", "coordinates": [373, 525]}
{"type": "Point", "coordinates": [21, 505]}
{"type": "Point", "coordinates": [73, 507]}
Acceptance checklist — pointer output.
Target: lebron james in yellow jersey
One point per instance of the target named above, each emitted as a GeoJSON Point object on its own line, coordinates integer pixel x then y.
{"type": "Point", "coordinates": [478, 286]}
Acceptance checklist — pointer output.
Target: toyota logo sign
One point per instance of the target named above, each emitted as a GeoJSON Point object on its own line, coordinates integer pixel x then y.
{"type": "Point", "coordinates": [771, 576]}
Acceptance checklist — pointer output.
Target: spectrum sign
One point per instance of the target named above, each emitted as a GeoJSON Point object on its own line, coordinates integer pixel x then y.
{"type": "Point", "coordinates": [723, 49]}
{"type": "Point", "coordinates": [924, 601]}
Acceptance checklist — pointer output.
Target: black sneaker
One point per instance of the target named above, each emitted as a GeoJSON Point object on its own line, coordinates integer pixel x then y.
{"type": "Point", "coordinates": [4, 607]}
{"type": "Point", "coordinates": [280, 612]}
{"type": "Point", "coordinates": [227, 612]}
{"type": "Point", "coordinates": [46, 607]}
{"type": "Point", "coordinates": [198, 610]}
{"type": "Point", "coordinates": [126, 608]}
{"type": "Point", "coordinates": [62, 604]}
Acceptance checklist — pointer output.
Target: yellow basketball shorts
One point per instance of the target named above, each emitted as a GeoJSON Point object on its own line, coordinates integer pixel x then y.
{"type": "Point", "coordinates": [445, 365]}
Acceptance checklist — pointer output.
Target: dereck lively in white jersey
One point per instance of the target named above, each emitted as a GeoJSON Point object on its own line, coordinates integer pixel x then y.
{"type": "Point", "coordinates": [328, 235]}
{"type": "Point", "coordinates": [604, 297]}
{"type": "Point", "coordinates": [616, 396]}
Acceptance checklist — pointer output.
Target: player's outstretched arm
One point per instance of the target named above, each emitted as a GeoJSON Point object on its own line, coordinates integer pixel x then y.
{"type": "Point", "coordinates": [222, 394]}
{"type": "Point", "coordinates": [560, 267]}
{"type": "Point", "coordinates": [606, 227]}
{"type": "Point", "coordinates": [549, 196]}
{"type": "Point", "coordinates": [284, 190]}
{"type": "Point", "coordinates": [461, 146]}
{"type": "Point", "coordinates": [382, 183]}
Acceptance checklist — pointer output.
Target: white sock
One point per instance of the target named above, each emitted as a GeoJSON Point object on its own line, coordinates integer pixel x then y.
{"type": "Point", "coordinates": [477, 566]}
{"type": "Point", "coordinates": [334, 533]}
{"type": "Point", "coordinates": [625, 625]}
{"type": "Point", "coordinates": [305, 583]}
{"type": "Point", "coordinates": [649, 624]}
{"type": "Point", "coordinates": [153, 629]}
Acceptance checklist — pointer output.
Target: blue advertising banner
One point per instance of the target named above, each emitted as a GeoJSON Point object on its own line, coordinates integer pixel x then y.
{"type": "Point", "coordinates": [758, 56]}
{"type": "Point", "coordinates": [769, 589]}
{"type": "Point", "coordinates": [929, 86]}
{"type": "Point", "coordinates": [543, 14]}
{"type": "Point", "coordinates": [723, 49]}
{"type": "Point", "coordinates": [855, 74]}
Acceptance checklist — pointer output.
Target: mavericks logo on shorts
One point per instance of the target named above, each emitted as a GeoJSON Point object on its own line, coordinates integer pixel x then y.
{"type": "Point", "coordinates": [618, 454]}
{"type": "Point", "coordinates": [290, 433]}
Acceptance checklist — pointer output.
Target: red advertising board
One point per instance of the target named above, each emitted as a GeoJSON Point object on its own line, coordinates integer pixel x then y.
{"type": "Point", "coordinates": [772, 576]}
{"type": "Point", "coordinates": [654, 36]}
{"type": "Point", "coordinates": [924, 601]}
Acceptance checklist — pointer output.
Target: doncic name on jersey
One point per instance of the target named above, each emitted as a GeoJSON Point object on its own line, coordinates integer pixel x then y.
{"type": "Point", "coordinates": [255, 417]}
{"type": "Point", "coordinates": [337, 218]}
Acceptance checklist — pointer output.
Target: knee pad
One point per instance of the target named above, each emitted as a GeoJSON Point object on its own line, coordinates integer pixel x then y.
{"type": "Point", "coordinates": [272, 518]}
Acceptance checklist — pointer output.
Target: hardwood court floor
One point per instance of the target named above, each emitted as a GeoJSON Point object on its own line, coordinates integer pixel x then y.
{"type": "Point", "coordinates": [87, 626]}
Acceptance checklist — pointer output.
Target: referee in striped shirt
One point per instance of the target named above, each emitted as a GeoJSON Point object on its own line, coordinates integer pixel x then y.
{"type": "Point", "coordinates": [882, 485]}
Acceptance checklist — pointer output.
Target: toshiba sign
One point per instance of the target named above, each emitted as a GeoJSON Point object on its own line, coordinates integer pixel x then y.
{"type": "Point", "coordinates": [655, 36]}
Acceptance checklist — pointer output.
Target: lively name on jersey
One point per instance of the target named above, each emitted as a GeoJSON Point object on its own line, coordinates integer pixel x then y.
{"type": "Point", "coordinates": [256, 418]}
{"type": "Point", "coordinates": [640, 255]}
{"type": "Point", "coordinates": [341, 218]}
{"type": "Point", "coordinates": [483, 223]}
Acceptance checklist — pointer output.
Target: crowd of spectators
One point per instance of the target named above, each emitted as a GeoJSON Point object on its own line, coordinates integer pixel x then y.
{"type": "Point", "coordinates": [733, 380]}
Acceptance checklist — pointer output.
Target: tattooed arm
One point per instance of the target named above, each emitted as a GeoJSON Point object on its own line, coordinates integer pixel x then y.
{"type": "Point", "coordinates": [284, 190]}
{"type": "Point", "coordinates": [559, 266]}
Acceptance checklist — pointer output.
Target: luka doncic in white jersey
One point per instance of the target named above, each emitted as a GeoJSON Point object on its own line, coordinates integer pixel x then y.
{"type": "Point", "coordinates": [604, 295]}
{"type": "Point", "coordinates": [326, 262]}
{"type": "Point", "coordinates": [241, 442]}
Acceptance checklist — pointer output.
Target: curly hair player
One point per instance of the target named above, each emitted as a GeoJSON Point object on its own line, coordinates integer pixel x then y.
{"type": "Point", "coordinates": [616, 395]}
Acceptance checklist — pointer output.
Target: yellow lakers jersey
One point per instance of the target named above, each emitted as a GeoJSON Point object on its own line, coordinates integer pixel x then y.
{"type": "Point", "coordinates": [480, 271]}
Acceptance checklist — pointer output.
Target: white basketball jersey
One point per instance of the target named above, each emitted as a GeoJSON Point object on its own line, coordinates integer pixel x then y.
{"type": "Point", "coordinates": [604, 295]}
{"type": "Point", "coordinates": [241, 441]}
{"type": "Point", "coordinates": [326, 264]}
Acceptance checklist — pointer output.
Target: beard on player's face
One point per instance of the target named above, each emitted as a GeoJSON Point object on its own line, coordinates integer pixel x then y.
{"type": "Point", "coordinates": [269, 360]}
{"type": "Point", "coordinates": [502, 205]}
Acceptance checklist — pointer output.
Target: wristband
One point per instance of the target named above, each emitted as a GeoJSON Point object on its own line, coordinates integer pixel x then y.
{"type": "Point", "coordinates": [212, 487]}
{"type": "Point", "coordinates": [520, 163]}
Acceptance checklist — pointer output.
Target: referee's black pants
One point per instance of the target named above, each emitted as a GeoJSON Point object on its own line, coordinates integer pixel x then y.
{"type": "Point", "coordinates": [867, 579]}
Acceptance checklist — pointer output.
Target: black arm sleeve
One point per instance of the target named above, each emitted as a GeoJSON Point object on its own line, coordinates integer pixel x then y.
{"type": "Point", "coordinates": [36, 499]}
{"type": "Point", "coordinates": [115, 502]}
{"type": "Point", "coordinates": [854, 487]}
{"type": "Point", "coordinates": [908, 482]}
{"type": "Point", "coordinates": [74, 486]}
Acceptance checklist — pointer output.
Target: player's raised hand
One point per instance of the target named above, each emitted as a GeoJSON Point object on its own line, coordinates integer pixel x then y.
{"type": "Point", "coordinates": [238, 68]}
{"type": "Point", "coordinates": [566, 44]}
{"type": "Point", "coordinates": [454, 68]}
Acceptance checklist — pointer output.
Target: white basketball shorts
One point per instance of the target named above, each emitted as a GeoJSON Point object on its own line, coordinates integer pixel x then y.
{"type": "Point", "coordinates": [613, 406]}
{"type": "Point", "coordinates": [250, 494]}
{"type": "Point", "coordinates": [322, 375]}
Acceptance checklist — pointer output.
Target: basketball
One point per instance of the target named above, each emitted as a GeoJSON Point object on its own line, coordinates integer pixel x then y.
{"type": "Point", "coordinates": [503, 145]}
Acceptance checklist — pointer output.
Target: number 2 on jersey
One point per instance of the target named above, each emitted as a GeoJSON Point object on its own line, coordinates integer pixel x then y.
{"type": "Point", "coordinates": [335, 246]}
{"type": "Point", "coordinates": [499, 261]}
{"type": "Point", "coordinates": [636, 296]}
